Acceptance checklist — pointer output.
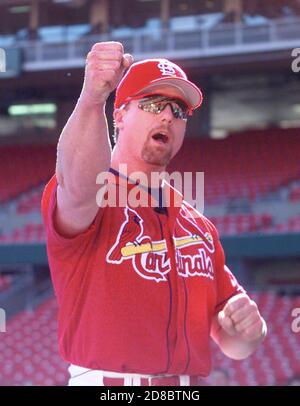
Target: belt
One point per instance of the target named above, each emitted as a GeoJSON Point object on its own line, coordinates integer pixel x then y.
{"type": "Point", "coordinates": [151, 381]}
{"type": "Point", "coordinates": [89, 377]}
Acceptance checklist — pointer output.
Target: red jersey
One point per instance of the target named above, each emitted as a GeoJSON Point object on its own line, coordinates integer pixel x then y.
{"type": "Point", "coordinates": [137, 291]}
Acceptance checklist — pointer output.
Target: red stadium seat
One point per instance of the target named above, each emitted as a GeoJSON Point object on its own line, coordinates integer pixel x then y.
{"type": "Point", "coordinates": [242, 165]}
{"type": "Point", "coordinates": [24, 167]}
{"type": "Point", "coordinates": [29, 351]}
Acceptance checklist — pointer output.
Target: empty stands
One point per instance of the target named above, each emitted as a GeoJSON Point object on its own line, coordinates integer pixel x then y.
{"type": "Point", "coordinates": [232, 224]}
{"type": "Point", "coordinates": [29, 354]}
{"type": "Point", "coordinates": [24, 167]}
{"type": "Point", "coordinates": [242, 165]}
{"type": "Point", "coordinates": [30, 201]}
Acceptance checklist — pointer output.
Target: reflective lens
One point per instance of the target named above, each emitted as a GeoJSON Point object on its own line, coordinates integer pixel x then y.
{"type": "Point", "coordinates": [156, 104]}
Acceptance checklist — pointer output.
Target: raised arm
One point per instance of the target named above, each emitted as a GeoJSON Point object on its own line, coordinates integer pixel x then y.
{"type": "Point", "coordinates": [84, 148]}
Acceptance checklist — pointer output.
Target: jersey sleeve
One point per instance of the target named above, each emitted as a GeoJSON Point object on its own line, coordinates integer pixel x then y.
{"type": "Point", "coordinates": [48, 207]}
{"type": "Point", "coordinates": [227, 285]}
{"type": "Point", "coordinates": [226, 282]}
{"type": "Point", "coordinates": [65, 254]}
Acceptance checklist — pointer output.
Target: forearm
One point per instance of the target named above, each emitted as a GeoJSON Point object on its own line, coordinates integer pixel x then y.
{"type": "Point", "coordinates": [83, 150]}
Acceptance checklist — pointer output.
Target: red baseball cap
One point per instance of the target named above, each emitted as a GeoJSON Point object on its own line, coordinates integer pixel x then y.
{"type": "Point", "coordinates": [146, 76]}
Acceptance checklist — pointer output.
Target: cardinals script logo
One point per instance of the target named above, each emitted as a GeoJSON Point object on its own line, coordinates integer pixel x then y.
{"type": "Point", "coordinates": [150, 258]}
{"type": "Point", "coordinates": [189, 233]}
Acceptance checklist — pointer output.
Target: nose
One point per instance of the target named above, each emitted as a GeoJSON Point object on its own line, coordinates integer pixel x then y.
{"type": "Point", "coordinates": [166, 115]}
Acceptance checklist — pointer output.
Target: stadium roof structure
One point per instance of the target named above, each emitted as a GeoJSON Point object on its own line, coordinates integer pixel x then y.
{"type": "Point", "coordinates": [64, 39]}
{"type": "Point", "coordinates": [16, 14]}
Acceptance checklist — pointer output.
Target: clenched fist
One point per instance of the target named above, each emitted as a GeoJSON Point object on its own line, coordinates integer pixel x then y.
{"type": "Point", "coordinates": [105, 66]}
{"type": "Point", "coordinates": [240, 317]}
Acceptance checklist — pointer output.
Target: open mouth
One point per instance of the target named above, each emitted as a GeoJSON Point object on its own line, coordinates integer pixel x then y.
{"type": "Point", "coordinates": [160, 137]}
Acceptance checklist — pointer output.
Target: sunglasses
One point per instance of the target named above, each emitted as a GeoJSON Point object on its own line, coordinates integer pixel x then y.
{"type": "Point", "coordinates": [156, 104]}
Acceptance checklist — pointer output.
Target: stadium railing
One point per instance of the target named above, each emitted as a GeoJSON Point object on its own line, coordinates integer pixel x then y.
{"type": "Point", "coordinates": [220, 40]}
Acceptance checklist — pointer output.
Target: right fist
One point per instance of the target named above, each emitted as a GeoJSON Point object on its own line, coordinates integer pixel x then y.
{"type": "Point", "coordinates": [105, 66]}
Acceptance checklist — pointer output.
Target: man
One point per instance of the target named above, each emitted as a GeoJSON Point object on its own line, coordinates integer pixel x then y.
{"type": "Point", "coordinates": [140, 289]}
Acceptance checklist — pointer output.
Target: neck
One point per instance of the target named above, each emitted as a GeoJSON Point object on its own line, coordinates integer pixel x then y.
{"type": "Point", "coordinates": [129, 167]}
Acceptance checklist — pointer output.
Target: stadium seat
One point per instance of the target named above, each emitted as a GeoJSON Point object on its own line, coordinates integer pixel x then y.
{"type": "Point", "coordinates": [232, 224]}
{"type": "Point", "coordinates": [24, 167]}
{"type": "Point", "coordinates": [29, 354]}
{"type": "Point", "coordinates": [249, 164]}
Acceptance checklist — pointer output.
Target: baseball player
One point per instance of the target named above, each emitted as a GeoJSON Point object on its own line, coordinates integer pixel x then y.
{"type": "Point", "coordinates": [140, 289]}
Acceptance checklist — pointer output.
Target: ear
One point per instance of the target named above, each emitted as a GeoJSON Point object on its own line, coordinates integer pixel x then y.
{"type": "Point", "coordinates": [118, 118]}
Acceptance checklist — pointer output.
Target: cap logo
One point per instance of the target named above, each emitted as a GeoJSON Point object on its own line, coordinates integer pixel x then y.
{"type": "Point", "coordinates": [166, 69]}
